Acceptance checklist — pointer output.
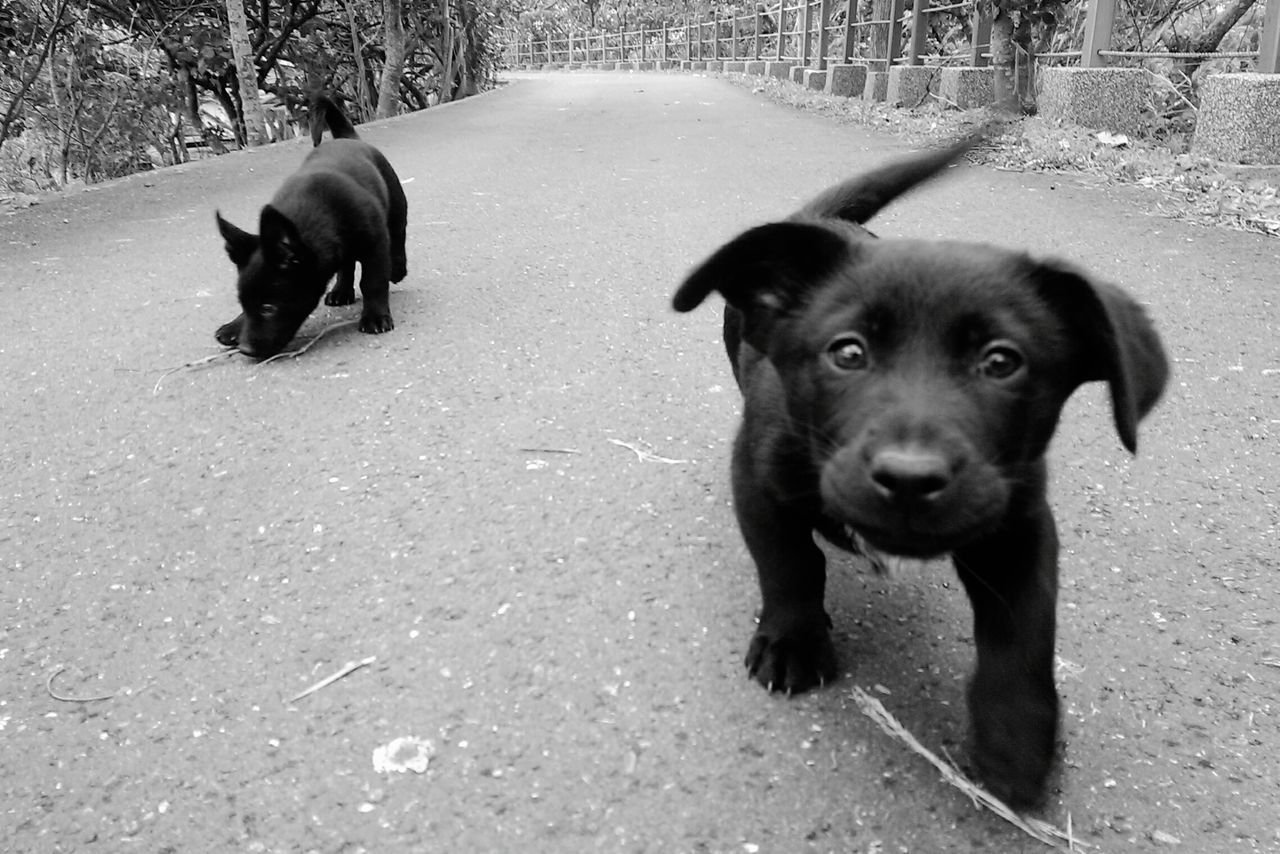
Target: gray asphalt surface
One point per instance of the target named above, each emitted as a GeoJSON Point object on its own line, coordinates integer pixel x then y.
{"type": "Point", "coordinates": [564, 618]}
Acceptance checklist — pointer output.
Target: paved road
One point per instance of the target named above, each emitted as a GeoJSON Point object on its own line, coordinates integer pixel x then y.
{"type": "Point", "coordinates": [567, 628]}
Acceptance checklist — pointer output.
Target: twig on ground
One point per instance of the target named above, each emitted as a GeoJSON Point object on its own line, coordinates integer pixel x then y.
{"type": "Point", "coordinates": [1039, 830]}
{"type": "Point", "coordinates": [48, 686]}
{"type": "Point", "coordinates": [944, 99]}
{"type": "Point", "coordinates": [1168, 84]}
{"type": "Point", "coordinates": [549, 450]}
{"type": "Point", "coordinates": [206, 360]}
{"type": "Point", "coordinates": [347, 669]}
{"type": "Point", "coordinates": [293, 354]}
{"type": "Point", "coordinates": [646, 456]}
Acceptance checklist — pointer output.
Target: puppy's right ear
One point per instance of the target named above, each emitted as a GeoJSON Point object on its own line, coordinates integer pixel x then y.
{"type": "Point", "coordinates": [240, 244]}
{"type": "Point", "coordinates": [766, 272]}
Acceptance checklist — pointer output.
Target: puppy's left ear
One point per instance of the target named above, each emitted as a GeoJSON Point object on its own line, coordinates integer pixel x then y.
{"type": "Point", "coordinates": [766, 272]}
{"type": "Point", "coordinates": [240, 244]}
{"type": "Point", "coordinates": [1117, 342]}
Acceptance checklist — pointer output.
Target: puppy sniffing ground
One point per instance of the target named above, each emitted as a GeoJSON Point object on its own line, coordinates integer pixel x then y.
{"type": "Point", "coordinates": [901, 394]}
{"type": "Point", "coordinates": [343, 206]}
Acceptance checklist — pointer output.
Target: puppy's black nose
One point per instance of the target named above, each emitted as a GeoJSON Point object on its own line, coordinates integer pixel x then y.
{"type": "Point", "coordinates": [909, 474]}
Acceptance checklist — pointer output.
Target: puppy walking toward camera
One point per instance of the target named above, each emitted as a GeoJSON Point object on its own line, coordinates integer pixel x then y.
{"type": "Point", "coordinates": [899, 395]}
{"type": "Point", "coordinates": [343, 206]}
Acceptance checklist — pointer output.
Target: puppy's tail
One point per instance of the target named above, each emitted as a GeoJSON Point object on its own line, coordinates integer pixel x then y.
{"type": "Point", "coordinates": [324, 111]}
{"type": "Point", "coordinates": [859, 199]}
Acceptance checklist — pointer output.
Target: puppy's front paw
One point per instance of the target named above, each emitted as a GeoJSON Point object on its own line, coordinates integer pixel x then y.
{"type": "Point", "coordinates": [228, 334]}
{"type": "Point", "coordinates": [1014, 743]}
{"type": "Point", "coordinates": [376, 324]}
{"type": "Point", "coordinates": [340, 296]}
{"type": "Point", "coordinates": [792, 656]}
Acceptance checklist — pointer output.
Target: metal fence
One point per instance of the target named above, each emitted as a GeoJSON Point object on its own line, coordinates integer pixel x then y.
{"type": "Point", "coordinates": [815, 33]}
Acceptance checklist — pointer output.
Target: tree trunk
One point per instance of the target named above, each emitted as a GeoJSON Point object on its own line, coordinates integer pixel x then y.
{"type": "Point", "coordinates": [357, 54]}
{"type": "Point", "coordinates": [1209, 39]}
{"type": "Point", "coordinates": [880, 34]}
{"type": "Point", "coordinates": [466, 32]}
{"type": "Point", "coordinates": [187, 97]}
{"type": "Point", "coordinates": [1002, 59]}
{"type": "Point", "coordinates": [229, 107]}
{"type": "Point", "coordinates": [447, 73]}
{"type": "Point", "coordinates": [255, 129]}
{"type": "Point", "coordinates": [393, 69]}
{"type": "Point", "coordinates": [1014, 73]}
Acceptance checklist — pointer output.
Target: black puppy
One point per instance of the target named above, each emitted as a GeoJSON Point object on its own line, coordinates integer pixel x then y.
{"type": "Point", "coordinates": [900, 395]}
{"type": "Point", "coordinates": [343, 205]}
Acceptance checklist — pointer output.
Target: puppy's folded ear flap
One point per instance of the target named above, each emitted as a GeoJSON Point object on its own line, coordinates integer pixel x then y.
{"type": "Point", "coordinates": [282, 245]}
{"type": "Point", "coordinates": [240, 244]}
{"type": "Point", "coordinates": [1117, 343]}
{"type": "Point", "coordinates": [765, 272]}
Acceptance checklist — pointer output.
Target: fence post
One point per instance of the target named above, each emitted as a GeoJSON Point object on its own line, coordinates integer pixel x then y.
{"type": "Point", "coordinates": [1098, 25]}
{"type": "Point", "coordinates": [850, 12]}
{"type": "Point", "coordinates": [896, 8]}
{"type": "Point", "coordinates": [733, 45]}
{"type": "Point", "coordinates": [664, 42]}
{"type": "Point", "coordinates": [782, 16]}
{"type": "Point", "coordinates": [919, 27]}
{"type": "Point", "coordinates": [806, 37]}
{"type": "Point", "coordinates": [622, 44]}
{"type": "Point", "coordinates": [755, 46]}
{"type": "Point", "coordinates": [824, 35]}
{"type": "Point", "coordinates": [1269, 46]}
{"type": "Point", "coordinates": [981, 26]}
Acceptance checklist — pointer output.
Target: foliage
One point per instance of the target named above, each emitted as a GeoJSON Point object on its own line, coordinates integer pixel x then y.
{"type": "Point", "coordinates": [92, 89]}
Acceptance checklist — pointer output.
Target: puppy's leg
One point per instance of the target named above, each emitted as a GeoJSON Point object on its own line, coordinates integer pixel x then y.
{"type": "Point", "coordinates": [344, 287]}
{"type": "Point", "coordinates": [1012, 582]}
{"type": "Point", "coordinates": [397, 221]}
{"type": "Point", "coordinates": [228, 334]}
{"type": "Point", "coordinates": [791, 649]}
{"type": "Point", "coordinates": [375, 315]}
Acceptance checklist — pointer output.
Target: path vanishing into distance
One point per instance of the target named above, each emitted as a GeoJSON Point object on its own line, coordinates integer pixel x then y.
{"type": "Point", "coordinates": [516, 508]}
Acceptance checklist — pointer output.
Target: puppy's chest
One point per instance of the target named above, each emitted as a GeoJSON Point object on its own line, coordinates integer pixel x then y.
{"type": "Point", "coordinates": [845, 538]}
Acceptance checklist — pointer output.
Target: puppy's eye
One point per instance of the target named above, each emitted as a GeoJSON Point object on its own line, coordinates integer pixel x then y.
{"type": "Point", "coordinates": [847, 353]}
{"type": "Point", "coordinates": [268, 309]}
{"type": "Point", "coordinates": [1000, 361]}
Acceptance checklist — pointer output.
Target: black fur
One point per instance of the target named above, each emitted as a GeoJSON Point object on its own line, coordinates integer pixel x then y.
{"type": "Point", "coordinates": [901, 395]}
{"type": "Point", "coordinates": [344, 205]}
